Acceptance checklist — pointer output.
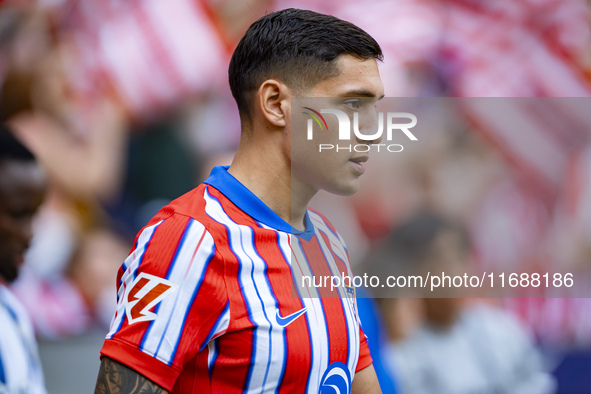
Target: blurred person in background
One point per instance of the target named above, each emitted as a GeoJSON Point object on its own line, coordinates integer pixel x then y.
{"type": "Point", "coordinates": [451, 345]}
{"type": "Point", "coordinates": [81, 145]}
{"type": "Point", "coordinates": [22, 189]}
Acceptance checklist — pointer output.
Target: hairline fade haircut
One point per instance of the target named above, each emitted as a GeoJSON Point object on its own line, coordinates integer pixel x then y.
{"type": "Point", "coordinates": [297, 47]}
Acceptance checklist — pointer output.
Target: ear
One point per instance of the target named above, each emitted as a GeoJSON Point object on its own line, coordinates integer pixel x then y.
{"type": "Point", "coordinates": [274, 100]}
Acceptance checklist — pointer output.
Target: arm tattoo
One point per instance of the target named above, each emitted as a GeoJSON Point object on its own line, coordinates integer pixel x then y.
{"type": "Point", "coordinates": [116, 378]}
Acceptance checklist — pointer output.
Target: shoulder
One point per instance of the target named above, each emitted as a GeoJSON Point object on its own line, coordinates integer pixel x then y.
{"type": "Point", "coordinates": [190, 204]}
{"type": "Point", "coordinates": [318, 218]}
{"type": "Point", "coordinates": [193, 209]}
{"type": "Point", "coordinates": [204, 203]}
{"type": "Point", "coordinates": [14, 316]}
{"type": "Point", "coordinates": [178, 235]}
{"type": "Point", "coordinates": [321, 222]}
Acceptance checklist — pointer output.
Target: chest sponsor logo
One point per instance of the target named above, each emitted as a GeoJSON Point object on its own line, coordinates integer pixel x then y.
{"type": "Point", "coordinates": [145, 293]}
{"type": "Point", "coordinates": [284, 321]}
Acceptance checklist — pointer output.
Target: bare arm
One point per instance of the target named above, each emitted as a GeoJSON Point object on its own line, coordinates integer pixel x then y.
{"type": "Point", "coordinates": [366, 382]}
{"type": "Point", "coordinates": [116, 378]}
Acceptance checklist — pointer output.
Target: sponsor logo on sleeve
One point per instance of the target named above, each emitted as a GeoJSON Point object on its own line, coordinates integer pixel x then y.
{"type": "Point", "coordinates": [144, 294]}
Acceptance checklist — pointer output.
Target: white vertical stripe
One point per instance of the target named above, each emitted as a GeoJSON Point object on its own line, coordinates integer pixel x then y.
{"type": "Point", "coordinates": [212, 354]}
{"type": "Point", "coordinates": [124, 57]}
{"type": "Point", "coordinates": [221, 326]}
{"type": "Point", "coordinates": [188, 269]}
{"type": "Point", "coordinates": [195, 69]}
{"type": "Point", "coordinates": [342, 242]}
{"type": "Point", "coordinates": [284, 246]}
{"type": "Point", "coordinates": [332, 265]}
{"type": "Point", "coordinates": [132, 262]}
{"type": "Point", "coordinates": [301, 269]}
{"type": "Point", "coordinates": [153, 67]}
{"type": "Point", "coordinates": [262, 306]}
{"type": "Point", "coordinates": [350, 316]}
{"type": "Point", "coordinates": [12, 352]}
{"type": "Point", "coordinates": [18, 349]}
{"type": "Point", "coordinates": [336, 243]}
{"type": "Point", "coordinates": [315, 316]}
{"type": "Point", "coordinates": [310, 296]}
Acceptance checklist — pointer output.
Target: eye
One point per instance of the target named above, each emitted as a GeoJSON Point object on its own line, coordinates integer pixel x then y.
{"type": "Point", "coordinates": [353, 103]}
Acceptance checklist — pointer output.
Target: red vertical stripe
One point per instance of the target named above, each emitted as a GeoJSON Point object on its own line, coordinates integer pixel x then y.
{"type": "Point", "coordinates": [331, 303]}
{"type": "Point", "coordinates": [235, 350]}
{"type": "Point", "coordinates": [156, 260]}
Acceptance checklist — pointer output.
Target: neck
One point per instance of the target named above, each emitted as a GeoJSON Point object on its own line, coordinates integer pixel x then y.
{"type": "Point", "coordinates": [263, 167]}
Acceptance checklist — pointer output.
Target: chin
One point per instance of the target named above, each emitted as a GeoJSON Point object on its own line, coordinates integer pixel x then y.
{"type": "Point", "coordinates": [344, 189]}
{"type": "Point", "coordinates": [8, 273]}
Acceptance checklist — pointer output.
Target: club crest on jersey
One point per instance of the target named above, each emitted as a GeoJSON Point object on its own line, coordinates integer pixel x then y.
{"type": "Point", "coordinates": [336, 379]}
{"type": "Point", "coordinates": [145, 292]}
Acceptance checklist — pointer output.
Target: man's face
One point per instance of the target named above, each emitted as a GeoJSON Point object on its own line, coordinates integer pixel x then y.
{"type": "Point", "coordinates": [22, 187]}
{"type": "Point", "coordinates": [355, 89]}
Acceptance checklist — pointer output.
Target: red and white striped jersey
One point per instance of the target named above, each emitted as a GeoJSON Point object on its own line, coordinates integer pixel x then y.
{"type": "Point", "coordinates": [207, 302]}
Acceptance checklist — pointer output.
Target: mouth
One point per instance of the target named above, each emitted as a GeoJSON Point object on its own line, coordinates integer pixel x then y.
{"type": "Point", "coordinates": [357, 163]}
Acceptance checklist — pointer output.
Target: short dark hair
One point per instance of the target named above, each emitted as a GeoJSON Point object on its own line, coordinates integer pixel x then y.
{"type": "Point", "coordinates": [11, 148]}
{"type": "Point", "coordinates": [298, 47]}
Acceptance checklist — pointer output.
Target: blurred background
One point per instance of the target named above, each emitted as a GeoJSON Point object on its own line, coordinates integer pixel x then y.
{"type": "Point", "coordinates": [126, 103]}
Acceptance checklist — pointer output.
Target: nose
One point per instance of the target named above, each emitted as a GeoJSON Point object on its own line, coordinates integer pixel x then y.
{"type": "Point", "coordinates": [371, 124]}
{"type": "Point", "coordinates": [378, 139]}
{"type": "Point", "coordinates": [369, 142]}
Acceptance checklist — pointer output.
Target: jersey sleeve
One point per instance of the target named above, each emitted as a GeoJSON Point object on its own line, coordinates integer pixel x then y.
{"type": "Point", "coordinates": [171, 300]}
{"type": "Point", "coordinates": [365, 359]}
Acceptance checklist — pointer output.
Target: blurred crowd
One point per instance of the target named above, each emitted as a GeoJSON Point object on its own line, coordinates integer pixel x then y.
{"type": "Point", "coordinates": [127, 106]}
